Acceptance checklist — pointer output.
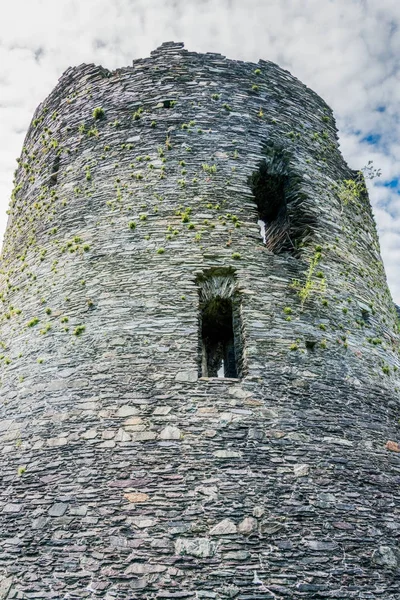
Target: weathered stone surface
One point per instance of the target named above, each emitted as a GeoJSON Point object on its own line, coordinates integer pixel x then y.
{"type": "Point", "coordinates": [90, 434]}
{"type": "Point", "coordinates": [247, 525]}
{"type": "Point", "coordinates": [386, 557]}
{"type": "Point", "coordinates": [12, 508]}
{"type": "Point", "coordinates": [58, 509]}
{"type": "Point", "coordinates": [122, 436]}
{"type": "Point", "coordinates": [223, 528]}
{"type": "Point", "coordinates": [170, 433]}
{"type": "Point", "coordinates": [143, 436]}
{"type": "Point", "coordinates": [126, 411]}
{"type": "Point", "coordinates": [5, 584]}
{"type": "Point", "coordinates": [321, 545]}
{"type": "Point", "coordinates": [162, 410]}
{"type": "Point", "coordinates": [227, 454]}
{"type": "Point", "coordinates": [392, 446]}
{"type": "Point", "coordinates": [114, 221]}
{"type": "Point", "coordinates": [301, 470]}
{"type": "Point", "coordinates": [144, 569]}
{"type": "Point", "coordinates": [239, 555]}
{"type": "Point", "coordinates": [186, 376]}
{"type": "Point", "coordinates": [201, 547]}
{"type": "Point", "coordinates": [142, 522]}
{"type": "Point", "coordinates": [137, 497]}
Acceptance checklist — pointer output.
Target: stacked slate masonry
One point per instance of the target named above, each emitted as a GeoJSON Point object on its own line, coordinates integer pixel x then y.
{"type": "Point", "coordinates": [200, 389]}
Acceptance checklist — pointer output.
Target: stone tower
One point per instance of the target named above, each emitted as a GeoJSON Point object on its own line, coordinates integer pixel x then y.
{"type": "Point", "coordinates": [199, 359]}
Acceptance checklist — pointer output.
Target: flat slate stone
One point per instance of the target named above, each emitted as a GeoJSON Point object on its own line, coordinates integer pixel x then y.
{"type": "Point", "coordinates": [58, 509]}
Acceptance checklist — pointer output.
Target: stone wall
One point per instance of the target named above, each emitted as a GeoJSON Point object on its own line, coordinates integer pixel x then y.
{"type": "Point", "coordinates": [125, 474]}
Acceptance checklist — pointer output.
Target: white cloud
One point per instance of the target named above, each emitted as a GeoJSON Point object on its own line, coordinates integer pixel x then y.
{"type": "Point", "coordinates": [346, 50]}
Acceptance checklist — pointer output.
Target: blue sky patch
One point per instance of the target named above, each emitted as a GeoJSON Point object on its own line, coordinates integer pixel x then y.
{"type": "Point", "coordinates": [393, 183]}
{"type": "Point", "coordinates": [372, 138]}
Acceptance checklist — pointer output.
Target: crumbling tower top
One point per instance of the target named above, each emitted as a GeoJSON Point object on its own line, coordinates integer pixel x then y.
{"type": "Point", "coordinates": [199, 350]}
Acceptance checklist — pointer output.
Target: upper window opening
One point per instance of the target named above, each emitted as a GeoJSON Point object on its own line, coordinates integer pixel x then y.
{"type": "Point", "coordinates": [284, 217]}
{"type": "Point", "coordinates": [54, 171]}
{"type": "Point", "coordinates": [366, 316]}
{"type": "Point", "coordinates": [269, 193]}
{"type": "Point", "coordinates": [220, 331]}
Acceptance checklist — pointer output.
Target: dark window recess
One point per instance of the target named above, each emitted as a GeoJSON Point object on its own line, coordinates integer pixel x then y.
{"type": "Point", "coordinates": [169, 103]}
{"type": "Point", "coordinates": [366, 316]}
{"type": "Point", "coordinates": [269, 192]}
{"type": "Point", "coordinates": [218, 339]}
{"type": "Point", "coordinates": [310, 344]}
{"type": "Point", "coordinates": [284, 216]}
{"type": "Point", "coordinates": [54, 171]}
{"type": "Point", "coordinates": [220, 335]}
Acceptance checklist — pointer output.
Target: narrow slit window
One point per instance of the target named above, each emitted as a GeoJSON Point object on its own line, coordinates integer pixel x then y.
{"type": "Point", "coordinates": [220, 330]}
{"type": "Point", "coordinates": [366, 316]}
{"type": "Point", "coordinates": [218, 339]}
{"type": "Point", "coordinates": [54, 171]}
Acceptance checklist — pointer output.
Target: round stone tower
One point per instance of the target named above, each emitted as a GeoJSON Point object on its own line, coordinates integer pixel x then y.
{"type": "Point", "coordinates": [199, 349]}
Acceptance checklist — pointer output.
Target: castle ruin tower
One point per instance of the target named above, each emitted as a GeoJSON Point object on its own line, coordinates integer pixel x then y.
{"type": "Point", "coordinates": [199, 362]}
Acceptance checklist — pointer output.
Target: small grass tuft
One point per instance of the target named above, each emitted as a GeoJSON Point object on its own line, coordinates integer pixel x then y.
{"type": "Point", "coordinates": [79, 330]}
{"type": "Point", "coordinates": [98, 113]}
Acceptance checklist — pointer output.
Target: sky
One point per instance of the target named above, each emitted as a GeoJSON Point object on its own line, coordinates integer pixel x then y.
{"type": "Point", "coordinates": [348, 51]}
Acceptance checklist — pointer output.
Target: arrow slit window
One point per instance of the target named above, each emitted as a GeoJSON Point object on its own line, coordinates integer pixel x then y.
{"type": "Point", "coordinates": [54, 171]}
{"type": "Point", "coordinates": [220, 325]}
